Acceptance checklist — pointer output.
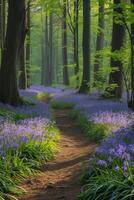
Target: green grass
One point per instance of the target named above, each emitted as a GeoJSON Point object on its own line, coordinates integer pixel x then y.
{"type": "Point", "coordinates": [100, 183]}
{"type": "Point", "coordinates": [12, 115]}
{"type": "Point", "coordinates": [55, 104]}
{"type": "Point", "coordinates": [26, 161]}
{"type": "Point", "coordinates": [95, 132]}
{"type": "Point", "coordinates": [107, 184]}
{"type": "Point", "coordinates": [44, 96]}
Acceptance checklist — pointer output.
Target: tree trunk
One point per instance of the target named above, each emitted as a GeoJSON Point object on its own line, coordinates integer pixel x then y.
{"type": "Point", "coordinates": [42, 51]}
{"type": "Point", "coordinates": [99, 41]}
{"type": "Point", "coordinates": [85, 85]}
{"type": "Point", "coordinates": [28, 45]}
{"type": "Point", "coordinates": [46, 51]}
{"type": "Point", "coordinates": [64, 45]}
{"type": "Point", "coordinates": [22, 68]}
{"type": "Point", "coordinates": [51, 58]}
{"type": "Point", "coordinates": [76, 40]}
{"type": "Point", "coordinates": [2, 22]}
{"type": "Point", "coordinates": [22, 57]}
{"type": "Point", "coordinates": [116, 75]}
{"type": "Point", "coordinates": [131, 101]}
{"type": "Point", "coordinates": [8, 74]}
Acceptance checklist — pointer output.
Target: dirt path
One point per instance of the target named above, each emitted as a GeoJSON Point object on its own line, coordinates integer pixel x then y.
{"type": "Point", "coordinates": [59, 179]}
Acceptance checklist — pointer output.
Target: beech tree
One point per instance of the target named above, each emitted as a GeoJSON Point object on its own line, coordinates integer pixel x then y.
{"type": "Point", "coordinates": [85, 85]}
{"type": "Point", "coordinates": [8, 73]}
{"type": "Point", "coordinates": [2, 22]}
{"type": "Point", "coordinates": [28, 43]}
{"type": "Point", "coordinates": [118, 33]}
{"type": "Point", "coordinates": [64, 44]}
{"type": "Point", "coordinates": [99, 40]}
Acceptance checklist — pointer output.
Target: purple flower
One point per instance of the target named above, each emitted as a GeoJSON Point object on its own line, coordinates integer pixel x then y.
{"type": "Point", "coordinates": [117, 168]}
{"type": "Point", "coordinates": [102, 163]}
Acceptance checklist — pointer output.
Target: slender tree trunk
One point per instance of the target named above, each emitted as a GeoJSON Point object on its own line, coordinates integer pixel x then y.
{"type": "Point", "coordinates": [99, 41]}
{"type": "Point", "coordinates": [46, 51]}
{"type": "Point", "coordinates": [131, 101]}
{"type": "Point", "coordinates": [28, 48]}
{"type": "Point", "coordinates": [8, 73]}
{"type": "Point", "coordinates": [64, 45]}
{"type": "Point", "coordinates": [51, 58]}
{"type": "Point", "coordinates": [43, 52]}
{"type": "Point", "coordinates": [76, 40]}
{"type": "Point", "coordinates": [116, 75]}
{"type": "Point", "coordinates": [85, 85]}
{"type": "Point", "coordinates": [2, 22]}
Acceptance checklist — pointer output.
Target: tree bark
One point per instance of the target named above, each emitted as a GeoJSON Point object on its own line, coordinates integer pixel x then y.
{"type": "Point", "coordinates": [42, 51]}
{"type": "Point", "coordinates": [131, 34]}
{"type": "Point", "coordinates": [2, 22]}
{"type": "Point", "coordinates": [64, 45]}
{"type": "Point", "coordinates": [85, 85]}
{"type": "Point", "coordinates": [51, 55]}
{"type": "Point", "coordinates": [76, 41]}
{"type": "Point", "coordinates": [116, 76]}
{"type": "Point", "coordinates": [22, 69]}
{"type": "Point", "coordinates": [8, 74]}
{"type": "Point", "coordinates": [28, 45]}
{"type": "Point", "coordinates": [22, 56]}
{"type": "Point", "coordinates": [99, 40]}
{"type": "Point", "coordinates": [46, 51]}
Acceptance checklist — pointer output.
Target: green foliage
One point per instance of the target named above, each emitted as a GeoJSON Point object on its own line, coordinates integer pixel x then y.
{"type": "Point", "coordinates": [12, 115]}
{"type": "Point", "coordinates": [55, 104]}
{"type": "Point", "coordinates": [107, 184]}
{"type": "Point", "coordinates": [19, 165]}
{"type": "Point", "coordinates": [95, 132]}
{"type": "Point", "coordinates": [44, 96]}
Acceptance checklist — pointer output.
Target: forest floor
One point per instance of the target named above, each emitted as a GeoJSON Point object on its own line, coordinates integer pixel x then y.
{"type": "Point", "coordinates": [59, 178]}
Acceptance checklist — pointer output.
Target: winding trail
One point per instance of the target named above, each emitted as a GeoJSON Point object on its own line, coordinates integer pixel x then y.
{"type": "Point", "coordinates": [59, 178]}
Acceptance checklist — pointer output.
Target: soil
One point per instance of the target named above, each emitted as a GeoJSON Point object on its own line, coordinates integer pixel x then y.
{"type": "Point", "coordinates": [59, 178]}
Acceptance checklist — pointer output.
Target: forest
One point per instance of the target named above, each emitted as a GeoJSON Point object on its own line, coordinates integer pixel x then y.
{"type": "Point", "coordinates": [66, 99]}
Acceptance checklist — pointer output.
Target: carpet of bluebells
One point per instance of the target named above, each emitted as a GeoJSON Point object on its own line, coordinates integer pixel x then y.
{"type": "Point", "coordinates": [28, 137]}
{"type": "Point", "coordinates": [110, 174]}
{"type": "Point", "coordinates": [14, 135]}
{"type": "Point", "coordinates": [26, 142]}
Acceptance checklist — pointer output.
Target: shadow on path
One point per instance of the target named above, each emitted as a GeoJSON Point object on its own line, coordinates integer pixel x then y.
{"type": "Point", "coordinates": [59, 178]}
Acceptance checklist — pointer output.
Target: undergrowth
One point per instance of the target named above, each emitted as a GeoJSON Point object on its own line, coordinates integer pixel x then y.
{"type": "Point", "coordinates": [12, 115]}
{"type": "Point", "coordinates": [23, 156]}
{"type": "Point", "coordinates": [94, 131]}
{"type": "Point", "coordinates": [56, 104]}
{"type": "Point", "coordinates": [44, 96]}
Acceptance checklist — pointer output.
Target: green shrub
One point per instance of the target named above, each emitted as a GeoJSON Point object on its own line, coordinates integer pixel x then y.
{"type": "Point", "coordinates": [94, 131]}
{"type": "Point", "coordinates": [55, 104]}
{"type": "Point", "coordinates": [44, 96]}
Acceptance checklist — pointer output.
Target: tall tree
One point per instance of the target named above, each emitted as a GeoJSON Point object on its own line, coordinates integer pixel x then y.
{"type": "Point", "coordinates": [64, 44]}
{"type": "Point", "coordinates": [42, 49]}
{"type": "Point", "coordinates": [16, 16]}
{"type": "Point", "coordinates": [46, 50]}
{"type": "Point", "coordinates": [76, 40]}
{"type": "Point", "coordinates": [28, 43]}
{"type": "Point", "coordinates": [51, 50]}
{"type": "Point", "coordinates": [2, 22]}
{"type": "Point", "coordinates": [73, 20]}
{"type": "Point", "coordinates": [22, 56]}
{"type": "Point", "coordinates": [118, 33]}
{"type": "Point", "coordinates": [99, 40]}
{"type": "Point", "coordinates": [85, 85]}
{"type": "Point", "coordinates": [131, 34]}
